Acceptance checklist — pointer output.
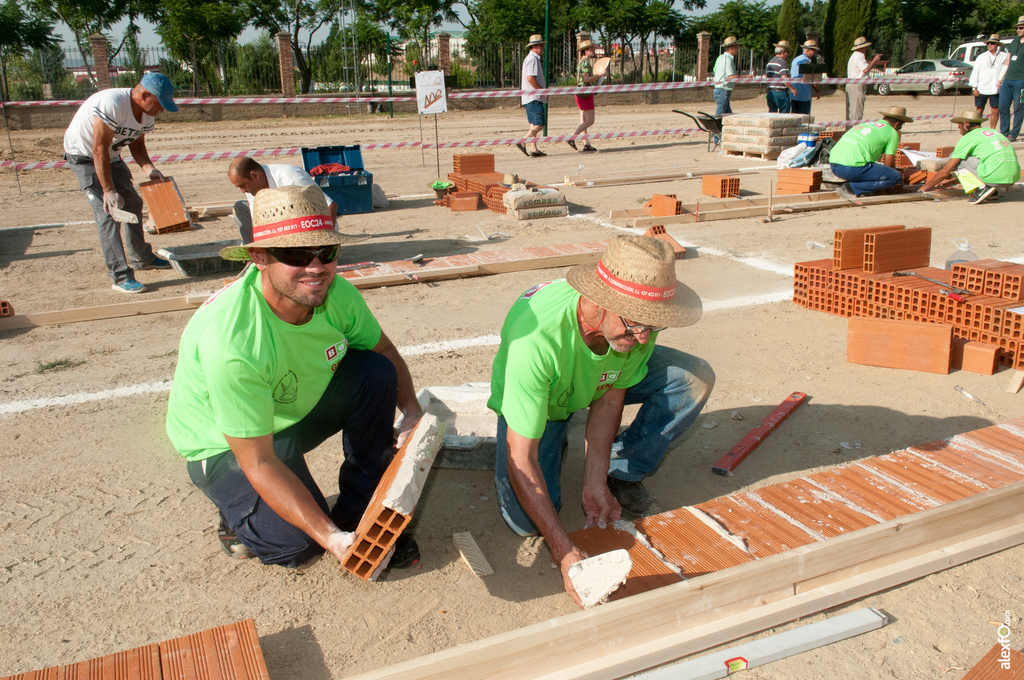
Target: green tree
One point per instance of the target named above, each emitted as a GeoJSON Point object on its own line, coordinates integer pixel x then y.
{"type": "Point", "coordinates": [193, 29]}
{"type": "Point", "coordinates": [302, 19]}
{"type": "Point", "coordinates": [790, 26]}
{"type": "Point", "coordinates": [755, 24]}
{"type": "Point", "coordinates": [20, 32]}
{"type": "Point", "coordinates": [850, 19]}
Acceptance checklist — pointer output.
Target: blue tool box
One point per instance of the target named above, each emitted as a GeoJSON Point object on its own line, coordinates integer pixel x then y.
{"type": "Point", "coordinates": [352, 191]}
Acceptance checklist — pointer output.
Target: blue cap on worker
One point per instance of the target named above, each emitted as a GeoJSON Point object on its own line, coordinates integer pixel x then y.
{"type": "Point", "coordinates": [159, 85]}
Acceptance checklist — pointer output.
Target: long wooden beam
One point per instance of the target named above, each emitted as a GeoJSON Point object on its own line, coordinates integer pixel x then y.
{"type": "Point", "coordinates": [193, 300]}
{"type": "Point", "coordinates": [644, 630]}
{"type": "Point", "coordinates": [643, 176]}
{"type": "Point", "coordinates": [733, 208]}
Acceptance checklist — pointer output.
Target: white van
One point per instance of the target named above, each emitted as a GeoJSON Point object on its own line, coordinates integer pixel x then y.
{"type": "Point", "coordinates": [969, 51]}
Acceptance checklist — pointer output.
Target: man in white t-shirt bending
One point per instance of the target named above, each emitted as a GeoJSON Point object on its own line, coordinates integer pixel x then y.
{"type": "Point", "coordinates": [105, 123]}
{"type": "Point", "coordinates": [251, 177]}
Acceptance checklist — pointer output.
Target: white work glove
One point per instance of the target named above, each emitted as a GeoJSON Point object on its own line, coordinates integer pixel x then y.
{"type": "Point", "coordinates": [339, 542]}
{"type": "Point", "coordinates": [112, 199]}
{"type": "Point", "coordinates": [156, 175]}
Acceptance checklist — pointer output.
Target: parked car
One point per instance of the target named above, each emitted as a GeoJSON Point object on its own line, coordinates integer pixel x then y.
{"type": "Point", "coordinates": [969, 51]}
{"type": "Point", "coordinates": [935, 68]}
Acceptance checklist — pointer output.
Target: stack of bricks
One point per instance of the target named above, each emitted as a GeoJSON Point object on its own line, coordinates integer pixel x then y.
{"type": "Point", "coordinates": [853, 284]}
{"type": "Point", "coordinates": [944, 151]}
{"type": "Point", "coordinates": [902, 160]}
{"type": "Point", "coordinates": [720, 186]}
{"type": "Point", "coordinates": [834, 134]}
{"type": "Point", "coordinates": [472, 163]}
{"type": "Point", "coordinates": [798, 181]}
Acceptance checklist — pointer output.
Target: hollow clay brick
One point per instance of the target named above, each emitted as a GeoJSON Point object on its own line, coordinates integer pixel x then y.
{"type": "Point", "coordinates": [6, 309]}
{"type": "Point", "coordinates": [648, 572]}
{"type": "Point", "coordinates": [665, 206]}
{"type": "Point", "coordinates": [896, 250]}
{"type": "Point", "coordinates": [719, 186]}
{"type": "Point", "coordinates": [473, 163]}
{"type": "Point", "coordinates": [813, 508]}
{"type": "Point", "coordinates": [908, 345]}
{"type": "Point", "coordinates": [166, 209]}
{"type": "Point", "coordinates": [689, 543]}
{"type": "Point", "coordinates": [227, 652]}
{"type": "Point", "coordinates": [848, 245]}
{"type": "Point", "coordinates": [990, 473]}
{"type": "Point", "coordinates": [763, 532]}
{"type": "Point", "coordinates": [880, 497]}
{"type": "Point", "coordinates": [944, 151]}
{"type": "Point", "coordinates": [930, 480]}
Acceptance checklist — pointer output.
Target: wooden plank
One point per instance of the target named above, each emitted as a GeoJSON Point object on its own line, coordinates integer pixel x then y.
{"type": "Point", "coordinates": [642, 176]}
{"type": "Point", "coordinates": [630, 212]}
{"type": "Point", "coordinates": [471, 553]}
{"type": "Point", "coordinates": [654, 627]}
{"type": "Point", "coordinates": [910, 345]}
{"type": "Point", "coordinates": [1016, 382]}
{"type": "Point", "coordinates": [174, 304]}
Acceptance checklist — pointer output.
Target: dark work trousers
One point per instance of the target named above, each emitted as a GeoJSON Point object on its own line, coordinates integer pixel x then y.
{"type": "Point", "coordinates": [359, 402]}
{"type": "Point", "coordinates": [243, 220]}
{"type": "Point", "coordinates": [120, 255]}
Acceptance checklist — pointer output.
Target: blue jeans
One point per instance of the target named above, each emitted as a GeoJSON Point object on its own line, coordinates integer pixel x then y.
{"type": "Point", "coordinates": [722, 101]}
{"type": "Point", "coordinates": [672, 395]}
{"type": "Point", "coordinates": [799, 106]}
{"type": "Point", "coordinates": [1010, 93]}
{"type": "Point", "coordinates": [360, 400]}
{"type": "Point", "coordinates": [778, 101]}
{"type": "Point", "coordinates": [868, 178]}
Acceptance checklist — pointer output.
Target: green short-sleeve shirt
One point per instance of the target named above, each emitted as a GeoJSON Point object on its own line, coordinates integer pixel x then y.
{"type": "Point", "coordinates": [243, 372]}
{"type": "Point", "coordinates": [544, 371]}
{"type": "Point", "coordinates": [585, 67]}
{"type": "Point", "coordinates": [865, 143]}
{"type": "Point", "coordinates": [997, 160]}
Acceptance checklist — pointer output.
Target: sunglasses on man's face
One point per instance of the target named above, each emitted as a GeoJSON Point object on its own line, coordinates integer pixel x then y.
{"type": "Point", "coordinates": [301, 257]}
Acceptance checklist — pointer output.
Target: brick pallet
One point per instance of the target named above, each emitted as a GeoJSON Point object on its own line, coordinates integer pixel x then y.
{"type": "Point", "coordinates": [857, 292]}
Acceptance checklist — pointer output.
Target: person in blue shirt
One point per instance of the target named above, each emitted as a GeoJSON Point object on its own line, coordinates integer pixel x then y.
{"type": "Point", "coordinates": [800, 101]}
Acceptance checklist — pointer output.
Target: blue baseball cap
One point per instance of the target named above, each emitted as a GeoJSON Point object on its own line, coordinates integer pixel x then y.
{"type": "Point", "coordinates": [159, 85]}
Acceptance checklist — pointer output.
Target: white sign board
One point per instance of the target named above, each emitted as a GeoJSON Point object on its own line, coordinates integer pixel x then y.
{"type": "Point", "coordinates": [430, 94]}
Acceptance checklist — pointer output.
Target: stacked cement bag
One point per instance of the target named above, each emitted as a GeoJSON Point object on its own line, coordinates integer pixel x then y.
{"type": "Point", "coordinates": [528, 204]}
{"type": "Point", "coordinates": [766, 134]}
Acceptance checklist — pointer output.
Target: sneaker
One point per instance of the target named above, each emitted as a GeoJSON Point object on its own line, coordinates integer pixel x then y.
{"type": "Point", "coordinates": [632, 496]}
{"type": "Point", "coordinates": [846, 192]}
{"type": "Point", "coordinates": [981, 194]}
{"type": "Point", "coordinates": [130, 286]}
{"type": "Point", "coordinates": [407, 553]}
{"type": "Point", "coordinates": [157, 263]}
{"type": "Point", "coordinates": [230, 544]}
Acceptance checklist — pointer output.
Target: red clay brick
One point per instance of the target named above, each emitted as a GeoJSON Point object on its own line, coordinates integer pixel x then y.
{"type": "Point", "coordinates": [719, 186]}
{"type": "Point", "coordinates": [892, 250]}
{"type": "Point", "coordinates": [908, 345]}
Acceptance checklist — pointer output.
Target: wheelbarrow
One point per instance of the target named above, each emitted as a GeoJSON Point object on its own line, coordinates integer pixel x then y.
{"type": "Point", "coordinates": [707, 123]}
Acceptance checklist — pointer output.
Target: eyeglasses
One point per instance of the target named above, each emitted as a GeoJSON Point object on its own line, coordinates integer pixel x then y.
{"type": "Point", "coordinates": [640, 329]}
{"type": "Point", "coordinates": [301, 257]}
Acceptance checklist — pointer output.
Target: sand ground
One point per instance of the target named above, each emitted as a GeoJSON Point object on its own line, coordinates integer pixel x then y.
{"type": "Point", "coordinates": [107, 545]}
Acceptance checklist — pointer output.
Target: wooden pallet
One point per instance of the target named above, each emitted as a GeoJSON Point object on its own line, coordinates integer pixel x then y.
{"type": "Point", "coordinates": [770, 156]}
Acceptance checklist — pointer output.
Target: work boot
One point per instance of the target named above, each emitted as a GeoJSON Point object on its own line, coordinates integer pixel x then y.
{"type": "Point", "coordinates": [229, 543]}
{"type": "Point", "coordinates": [635, 500]}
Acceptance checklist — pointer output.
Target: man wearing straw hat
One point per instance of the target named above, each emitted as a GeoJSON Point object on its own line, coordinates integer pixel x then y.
{"type": "Point", "coordinates": [1011, 85]}
{"type": "Point", "coordinates": [533, 80]}
{"type": "Point", "coordinates": [588, 341]}
{"type": "Point", "coordinates": [983, 78]}
{"type": "Point", "coordinates": [585, 102]}
{"type": "Point", "coordinates": [858, 67]}
{"type": "Point", "coordinates": [778, 67]}
{"type": "Point", "coordinates": [270, 367]}
{"type": "Point", "coordinates": [855, 156]}
{"type": "Point", "coordinates": [725, 70]}
{"type": "Point", "coordinates": [983, 153]}
{"type": "Point", "coordinates": [800, 99]}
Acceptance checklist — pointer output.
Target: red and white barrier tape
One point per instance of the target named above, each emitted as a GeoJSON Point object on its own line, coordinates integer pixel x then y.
{"type": "Point", "coordinates": [222, 155]}
{"type": "Point", "coordinates": [637, 87]}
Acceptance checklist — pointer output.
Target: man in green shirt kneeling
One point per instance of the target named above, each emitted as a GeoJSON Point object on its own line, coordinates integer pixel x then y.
{"type": "Point", "coordinates": [270, 367]}
{"type": "Point", "coordinates": [983, 152]}
{"type": "Point", "coordinates": [588, 341]}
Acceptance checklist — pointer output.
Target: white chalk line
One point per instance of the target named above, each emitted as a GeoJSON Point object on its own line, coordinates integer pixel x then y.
{"type": "Point", "coordinates": [54, 225]}
{"type": "Point", "coordinates": [413, 350]}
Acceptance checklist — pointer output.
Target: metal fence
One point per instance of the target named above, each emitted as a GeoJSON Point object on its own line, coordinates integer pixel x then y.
{"type": "Point", "coordinates": [252, 69]}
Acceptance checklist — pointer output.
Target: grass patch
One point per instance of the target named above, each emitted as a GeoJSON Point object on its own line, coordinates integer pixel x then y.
{"type": "Point", "coordinates": [58, 365]}
{"type": "Point", "coordinates": [171, 353]}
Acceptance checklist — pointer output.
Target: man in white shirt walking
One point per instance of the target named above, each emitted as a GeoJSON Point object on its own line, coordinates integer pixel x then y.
{"type": "Point", "coordinates": [858, 67]}
{"type": "Point", "coordinates": [984, 77]}
{"type": "Point", "coordinates": [533, 79]}
{"type": "Point", "coordinates": [725, 71]}
{"type": "Point", "coordinates": [251, 177]}
{"type": "Point", "coordinates": [104, 124]}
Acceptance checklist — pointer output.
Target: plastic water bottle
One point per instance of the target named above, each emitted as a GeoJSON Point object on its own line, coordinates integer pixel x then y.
{"type": "Point", "coordinates": [963, 253]}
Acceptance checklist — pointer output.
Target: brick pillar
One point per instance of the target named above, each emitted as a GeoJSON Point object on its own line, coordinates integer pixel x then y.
{"type": "Point", "coordinates": [98, 43]}
{"type": "Point", "coordinates": [580, 37]}
{"type": "Point", "coordinates": [910, 53]}
{"type": "Point", "coordinates": [444, 54]}
{"type": "Point", "coordinates": [284, 63]}
{"type": "Point", "coordinates": [703, 54]}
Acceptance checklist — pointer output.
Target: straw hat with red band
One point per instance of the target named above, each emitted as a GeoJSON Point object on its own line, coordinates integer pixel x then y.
{"type": "Point", "coordinates": [636, 279]}
{"type": "Point", "coordinates": [289, 217]}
